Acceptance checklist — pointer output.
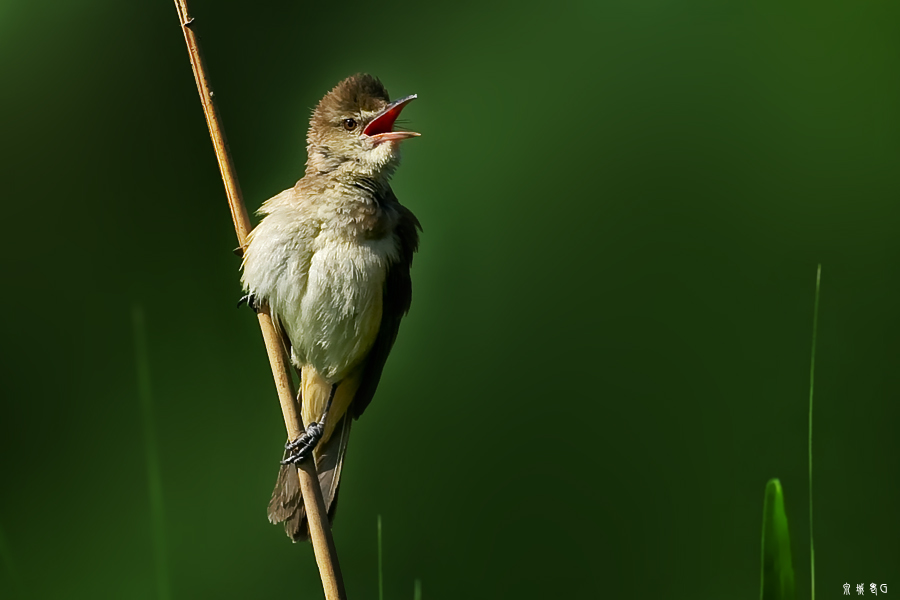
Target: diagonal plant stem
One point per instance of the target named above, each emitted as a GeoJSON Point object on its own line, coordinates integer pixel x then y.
{"type": "Point", "coordinates": [812, 378]}
{"type": "Point", "coordinates": [319, 528]}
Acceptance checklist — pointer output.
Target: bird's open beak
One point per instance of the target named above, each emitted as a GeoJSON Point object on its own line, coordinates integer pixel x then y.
{"type": "Point", "coordinates": [381, 128]}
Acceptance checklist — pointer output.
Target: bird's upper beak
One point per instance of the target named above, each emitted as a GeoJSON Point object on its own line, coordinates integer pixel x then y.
{"type": "Point", "coordinates": [381, 128]}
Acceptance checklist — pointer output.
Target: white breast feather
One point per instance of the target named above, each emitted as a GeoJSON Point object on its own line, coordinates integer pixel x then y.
{"type": "Point", "coordinates": [340, 313]}
{"type": "Point", "coordinates": [327, 294]}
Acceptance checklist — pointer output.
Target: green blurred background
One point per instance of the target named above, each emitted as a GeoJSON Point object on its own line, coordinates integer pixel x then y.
{"type": "Point", "coordinates": [624, 204]}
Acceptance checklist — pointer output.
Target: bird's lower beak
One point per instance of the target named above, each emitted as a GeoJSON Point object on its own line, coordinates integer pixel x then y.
{"type": "Point", "coordinates": [381, 128]}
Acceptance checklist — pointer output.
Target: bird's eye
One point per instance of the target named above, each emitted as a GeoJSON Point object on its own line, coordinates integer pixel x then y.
{"type": "Point", "coordinates": [349, 124]}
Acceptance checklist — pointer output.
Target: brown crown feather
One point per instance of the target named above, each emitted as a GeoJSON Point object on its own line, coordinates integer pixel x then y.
{"type": "Point", "coordinates": [360, 92]}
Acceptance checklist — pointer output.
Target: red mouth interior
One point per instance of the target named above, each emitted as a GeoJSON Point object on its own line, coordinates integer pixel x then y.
{"type": "Point", "coordinates": [384, 123]}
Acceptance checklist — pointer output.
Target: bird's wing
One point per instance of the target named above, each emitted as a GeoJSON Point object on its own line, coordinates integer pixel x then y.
{"type": "Point", "coordinates": [397, 297]}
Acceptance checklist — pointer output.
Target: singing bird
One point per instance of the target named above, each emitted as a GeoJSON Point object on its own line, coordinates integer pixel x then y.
{"type": "Point", "coordinates": [331, 259]}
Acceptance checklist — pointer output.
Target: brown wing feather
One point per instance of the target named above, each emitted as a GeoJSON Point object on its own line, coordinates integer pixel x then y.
{"type": "Point", "coordinates": [397, 297]}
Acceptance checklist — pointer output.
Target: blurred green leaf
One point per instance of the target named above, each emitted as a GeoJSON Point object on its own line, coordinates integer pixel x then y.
{"type": "Point", "coordinates": [812, 379]}
{"type": "Point", "coordinates": [7, 565]}
{"type": "Point", "coordinates": [151, 451]}
{"type": "Point", "coordinates": [777, 578]}
{"type": "Point", "coordinates": [380, 564]}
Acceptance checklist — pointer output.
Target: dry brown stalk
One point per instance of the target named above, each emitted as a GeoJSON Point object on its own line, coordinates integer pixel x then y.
{"type": "Point", "coordinates": [320, 530]}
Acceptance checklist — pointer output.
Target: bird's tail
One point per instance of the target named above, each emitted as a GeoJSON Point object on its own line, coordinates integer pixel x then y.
{"type": "Point", "coordinates": [286, 504]}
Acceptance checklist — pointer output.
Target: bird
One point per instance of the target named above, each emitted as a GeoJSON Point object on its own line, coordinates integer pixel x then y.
{"type": "Point", "coordinates": [331, 260]}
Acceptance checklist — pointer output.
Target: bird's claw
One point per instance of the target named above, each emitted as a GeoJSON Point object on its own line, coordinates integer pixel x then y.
{"type": "Point", "coordinates": [249, 300]}
{"type": "Point", "coordinates": [302, 448]}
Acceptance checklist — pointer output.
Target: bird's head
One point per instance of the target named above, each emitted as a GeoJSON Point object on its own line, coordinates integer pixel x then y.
{"type": "Point", "coordinates": [352, 129]}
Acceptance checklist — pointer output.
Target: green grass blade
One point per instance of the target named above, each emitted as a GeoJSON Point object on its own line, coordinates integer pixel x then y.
{"type": "Point", "coordinates": [812, 378]}
{"type": "Point", "coordinates": [154, 480]}
{"type": "Point", "coordinates": [9, 566]}
{"type": "Point", "coordinates": [380, 565]}
{"type": "Point", "coordinates": [777, 577]}
{"type": "Point", "coordinates": [417, 590]}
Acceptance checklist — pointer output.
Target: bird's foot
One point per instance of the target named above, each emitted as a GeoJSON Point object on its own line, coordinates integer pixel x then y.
{"type": "Point", "coordinates": [302, 448]}
{"type": "Point", "coordinates": [249, 300]}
